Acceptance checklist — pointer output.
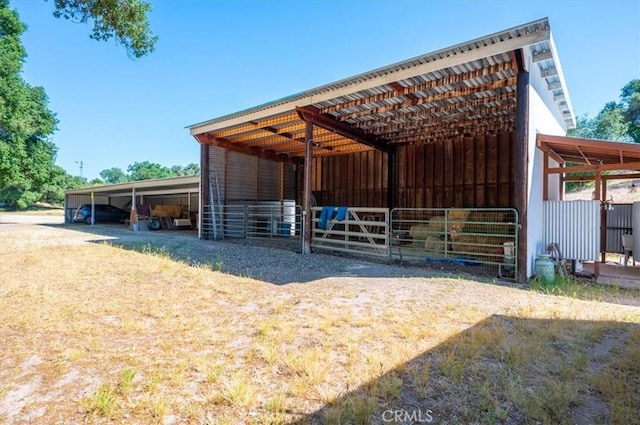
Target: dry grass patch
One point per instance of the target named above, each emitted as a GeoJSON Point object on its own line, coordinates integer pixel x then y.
{"type": "Point", "coordinates": [93, 333]}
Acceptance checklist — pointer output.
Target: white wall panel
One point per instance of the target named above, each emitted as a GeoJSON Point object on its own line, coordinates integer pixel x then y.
{"type": "Point", "coordinates": [575, 227]}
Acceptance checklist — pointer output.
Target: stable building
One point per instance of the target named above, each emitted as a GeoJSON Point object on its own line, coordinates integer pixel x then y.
{"type": "Point", "coordinates": [436, 158]}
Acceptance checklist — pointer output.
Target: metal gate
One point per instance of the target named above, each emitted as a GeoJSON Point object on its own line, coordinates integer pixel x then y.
{"type": "Point", "coordinates": [482, 241]}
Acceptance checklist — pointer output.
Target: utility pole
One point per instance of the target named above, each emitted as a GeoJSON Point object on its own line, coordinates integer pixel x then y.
{"type": "Point", "coordinates": [81, 166]}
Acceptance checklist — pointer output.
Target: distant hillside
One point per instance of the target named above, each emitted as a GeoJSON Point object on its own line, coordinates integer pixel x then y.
{"type": "Point", "coordinates": [623, 192]}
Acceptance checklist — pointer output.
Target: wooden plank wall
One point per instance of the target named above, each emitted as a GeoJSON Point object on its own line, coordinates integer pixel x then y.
{"type": "Point", "coordinates": [469, 172]}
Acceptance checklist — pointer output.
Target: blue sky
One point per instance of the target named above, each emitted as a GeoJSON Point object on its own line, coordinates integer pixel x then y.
{"type": "Point", "coordinates": [217, 57]}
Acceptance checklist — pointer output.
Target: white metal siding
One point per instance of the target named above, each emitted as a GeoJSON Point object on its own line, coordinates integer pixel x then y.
{"type": "Point", "coordinates": [575, 226]}
{"type": "Point", "coordinates": [268, 180]}
{"type": "Point", "coordinates": [217, 167]}
{"type": "Point", "coordinates": [289, 181]}
{"type": "Point", "coordinates": [241, 175]}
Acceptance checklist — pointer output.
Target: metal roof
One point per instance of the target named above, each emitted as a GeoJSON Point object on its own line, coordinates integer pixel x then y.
{"type": "Point", "coordinates": [165, 186]}
{"type": "Point", "coordinates": [590, 152]}
{"type": "Point", "coordinates": [467, 88]}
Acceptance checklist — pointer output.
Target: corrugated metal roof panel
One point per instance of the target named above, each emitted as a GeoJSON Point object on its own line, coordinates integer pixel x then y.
{"type": "Point", "coordinates": [522, 32]}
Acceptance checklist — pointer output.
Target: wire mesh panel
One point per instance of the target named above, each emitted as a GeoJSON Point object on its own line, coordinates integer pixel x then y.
{"type": "Point", "coordinates": [482, 241]}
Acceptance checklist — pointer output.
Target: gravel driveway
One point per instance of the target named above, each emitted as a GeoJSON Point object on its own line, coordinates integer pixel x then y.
{"type": "Point", "coordinates": [269, 260]}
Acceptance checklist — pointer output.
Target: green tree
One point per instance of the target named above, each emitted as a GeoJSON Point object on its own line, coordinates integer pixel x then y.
{"type": "Point", "coordinates": [124, 20]}
{"type": "Point", "coordinates": [609, 124]}
{"type": "Point", "coordinates": [148, 170]}
{"type": "Point", "coordinates": [113, 175]}
{"type": "Point", "coordinates": [27, 155]}
{"type": "Point", "coordinates": [191, 169]}
{"type": "Point", "coordinates": [617, 121]}
{"type": "Point", "coordinates": [630, 102]}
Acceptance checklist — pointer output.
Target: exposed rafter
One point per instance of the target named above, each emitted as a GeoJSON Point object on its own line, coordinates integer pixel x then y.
{"type": "Point", "coordinates": [469, 79]}
{"type": "Point", "coordinates": [313, 115]}
{"type": "Point", "coordinates": [237, 147]}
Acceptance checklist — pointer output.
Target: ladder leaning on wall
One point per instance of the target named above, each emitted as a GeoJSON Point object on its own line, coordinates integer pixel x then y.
{"type": "Point", "coordinates": [215, 202]}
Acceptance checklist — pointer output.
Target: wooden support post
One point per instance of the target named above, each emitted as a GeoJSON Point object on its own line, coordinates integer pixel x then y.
{"type": "Point", "coordinates": [603, 216]}
{"type": "Point", "coordinates": [521, 163]}
{"type": "Point", "coordinates": [308, 157]}
{"type": "Point", "coordinates": [391, 180]}
{"type": "Point", "coordinates": [204, 186]}
{"type": "Point", "coordinates": [545, 177]}
{"type": "Point", "coordinates": [561, 183]}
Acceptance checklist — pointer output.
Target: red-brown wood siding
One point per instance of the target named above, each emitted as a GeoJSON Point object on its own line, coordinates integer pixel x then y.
{"type": "Point", "coordinates": [466, 172]}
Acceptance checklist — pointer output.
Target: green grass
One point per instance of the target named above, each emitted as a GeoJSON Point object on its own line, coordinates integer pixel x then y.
{"type": "Point", "coordinates": [570, 286]}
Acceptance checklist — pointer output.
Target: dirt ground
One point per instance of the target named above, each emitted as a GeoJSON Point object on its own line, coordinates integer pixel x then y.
{"type": "Point", "coordinates": [308, 336]}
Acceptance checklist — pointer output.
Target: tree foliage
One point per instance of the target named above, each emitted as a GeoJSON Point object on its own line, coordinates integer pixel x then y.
{"type": "Point", "coordinates": [617, 121]}
{"type": "Point", "coordinates": [27, 154]}
{"type": "Point", "coordinates": [630, 102]}
{"type": "Point", "coordinates": [113, 175]}
{"type": "Point", "coordinates": [124, 20]}
{"type": "Point", "coordinates": [144, 171]}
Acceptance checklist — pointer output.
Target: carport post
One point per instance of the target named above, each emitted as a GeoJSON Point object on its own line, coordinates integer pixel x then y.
{"type": "Point", "coordinates": [133, 216]}
{"type": "Point", "coordinates": [306, 213]}
{"type": "Point", "coordinates": [93, 209]}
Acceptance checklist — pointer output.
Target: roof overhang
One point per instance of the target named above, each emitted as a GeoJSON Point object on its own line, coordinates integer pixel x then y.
{"type": "Point", "coordinates": [588, 155]}
{"type": "Point", "coordinates": [165, 186]}
{"type": "Point", "coordinates": [464, 89]}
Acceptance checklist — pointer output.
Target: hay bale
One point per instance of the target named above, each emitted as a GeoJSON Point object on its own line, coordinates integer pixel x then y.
{"type": "Point", "coordinates": [420, 232]}
{"type": "Point", "coordinates": [487, 222]}
{"type": "Point", "coordinates": [476, 244]}
{"type": "Point", "coordinates": [168, 211]}
{"type": "Point", "coordinates": [434, 245]}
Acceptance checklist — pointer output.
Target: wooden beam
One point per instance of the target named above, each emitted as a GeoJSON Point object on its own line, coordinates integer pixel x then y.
{"type": "Point", "coordinates": [520, 163]}
{"type": "Point", "coordinates": [604, 178]}
{"type": "Point", "coordinates": [204, 184]}
{"type": "Point", "coordinates": [237, 147]}
{"type": "Point", "coordinates": [498, 89]}
{"type": "Point", "coordinates": [495, 72]}
{"type": "Point", "coordinates": [545, 177]}
{"type": "Point", "coordinates": [561, 182]}
{"type": "Point", "coordinates": [583, 155]}
{"type": "Point", "coordinates": [308, 160]}
{"type": "Point", "coordinates": [557, 158]}
{"type": "Point", "coordinates": [588, 143]}
{"type": "Point", "coordinates": [391, 180]}
{"type": "Point", "coordinates": [596, 168]}
{"type": "Point", "coordinates": [311, 114]}
{"type": "Point", "coordinates": [400, 90]}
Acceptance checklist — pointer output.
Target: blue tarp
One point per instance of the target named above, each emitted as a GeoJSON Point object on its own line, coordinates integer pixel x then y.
{"type": "Point", "coordinates": [455, 261]}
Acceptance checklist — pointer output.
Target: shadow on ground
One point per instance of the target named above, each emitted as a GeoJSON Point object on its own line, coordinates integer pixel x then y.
{"type": "Point", "coordinates": [271, 260]}
{"type": "Point", "coordinates": [506, 370]}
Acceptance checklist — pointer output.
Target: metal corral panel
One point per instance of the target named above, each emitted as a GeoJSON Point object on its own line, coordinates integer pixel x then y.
{"type": "Point", "coordinates": [217, 166]}
{"type": "Point", "coordinates": [575, 227]}
{"type": "Point", "coordinates": [242, 177]}
{"type": "Point", "coordinates": [268, 180]}
{"type": "Point", "coordinates": [619, 222]}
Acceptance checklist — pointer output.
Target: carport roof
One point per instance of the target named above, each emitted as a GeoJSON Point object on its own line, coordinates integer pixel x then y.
{"type": "Point", "coordinates": [591, 154]}
{"type": "Point", "coordinates": [165, 186]}
{"type": "Point", "coordinates": [467, 88]}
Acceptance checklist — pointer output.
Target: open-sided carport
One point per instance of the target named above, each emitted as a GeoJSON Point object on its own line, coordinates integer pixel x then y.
{"type": "Point", "coordinates": [455, 128]}
{"type": "Point", "coordinates": [587, 230]}
{"type": "Point", "coordinates": [175, 191]}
